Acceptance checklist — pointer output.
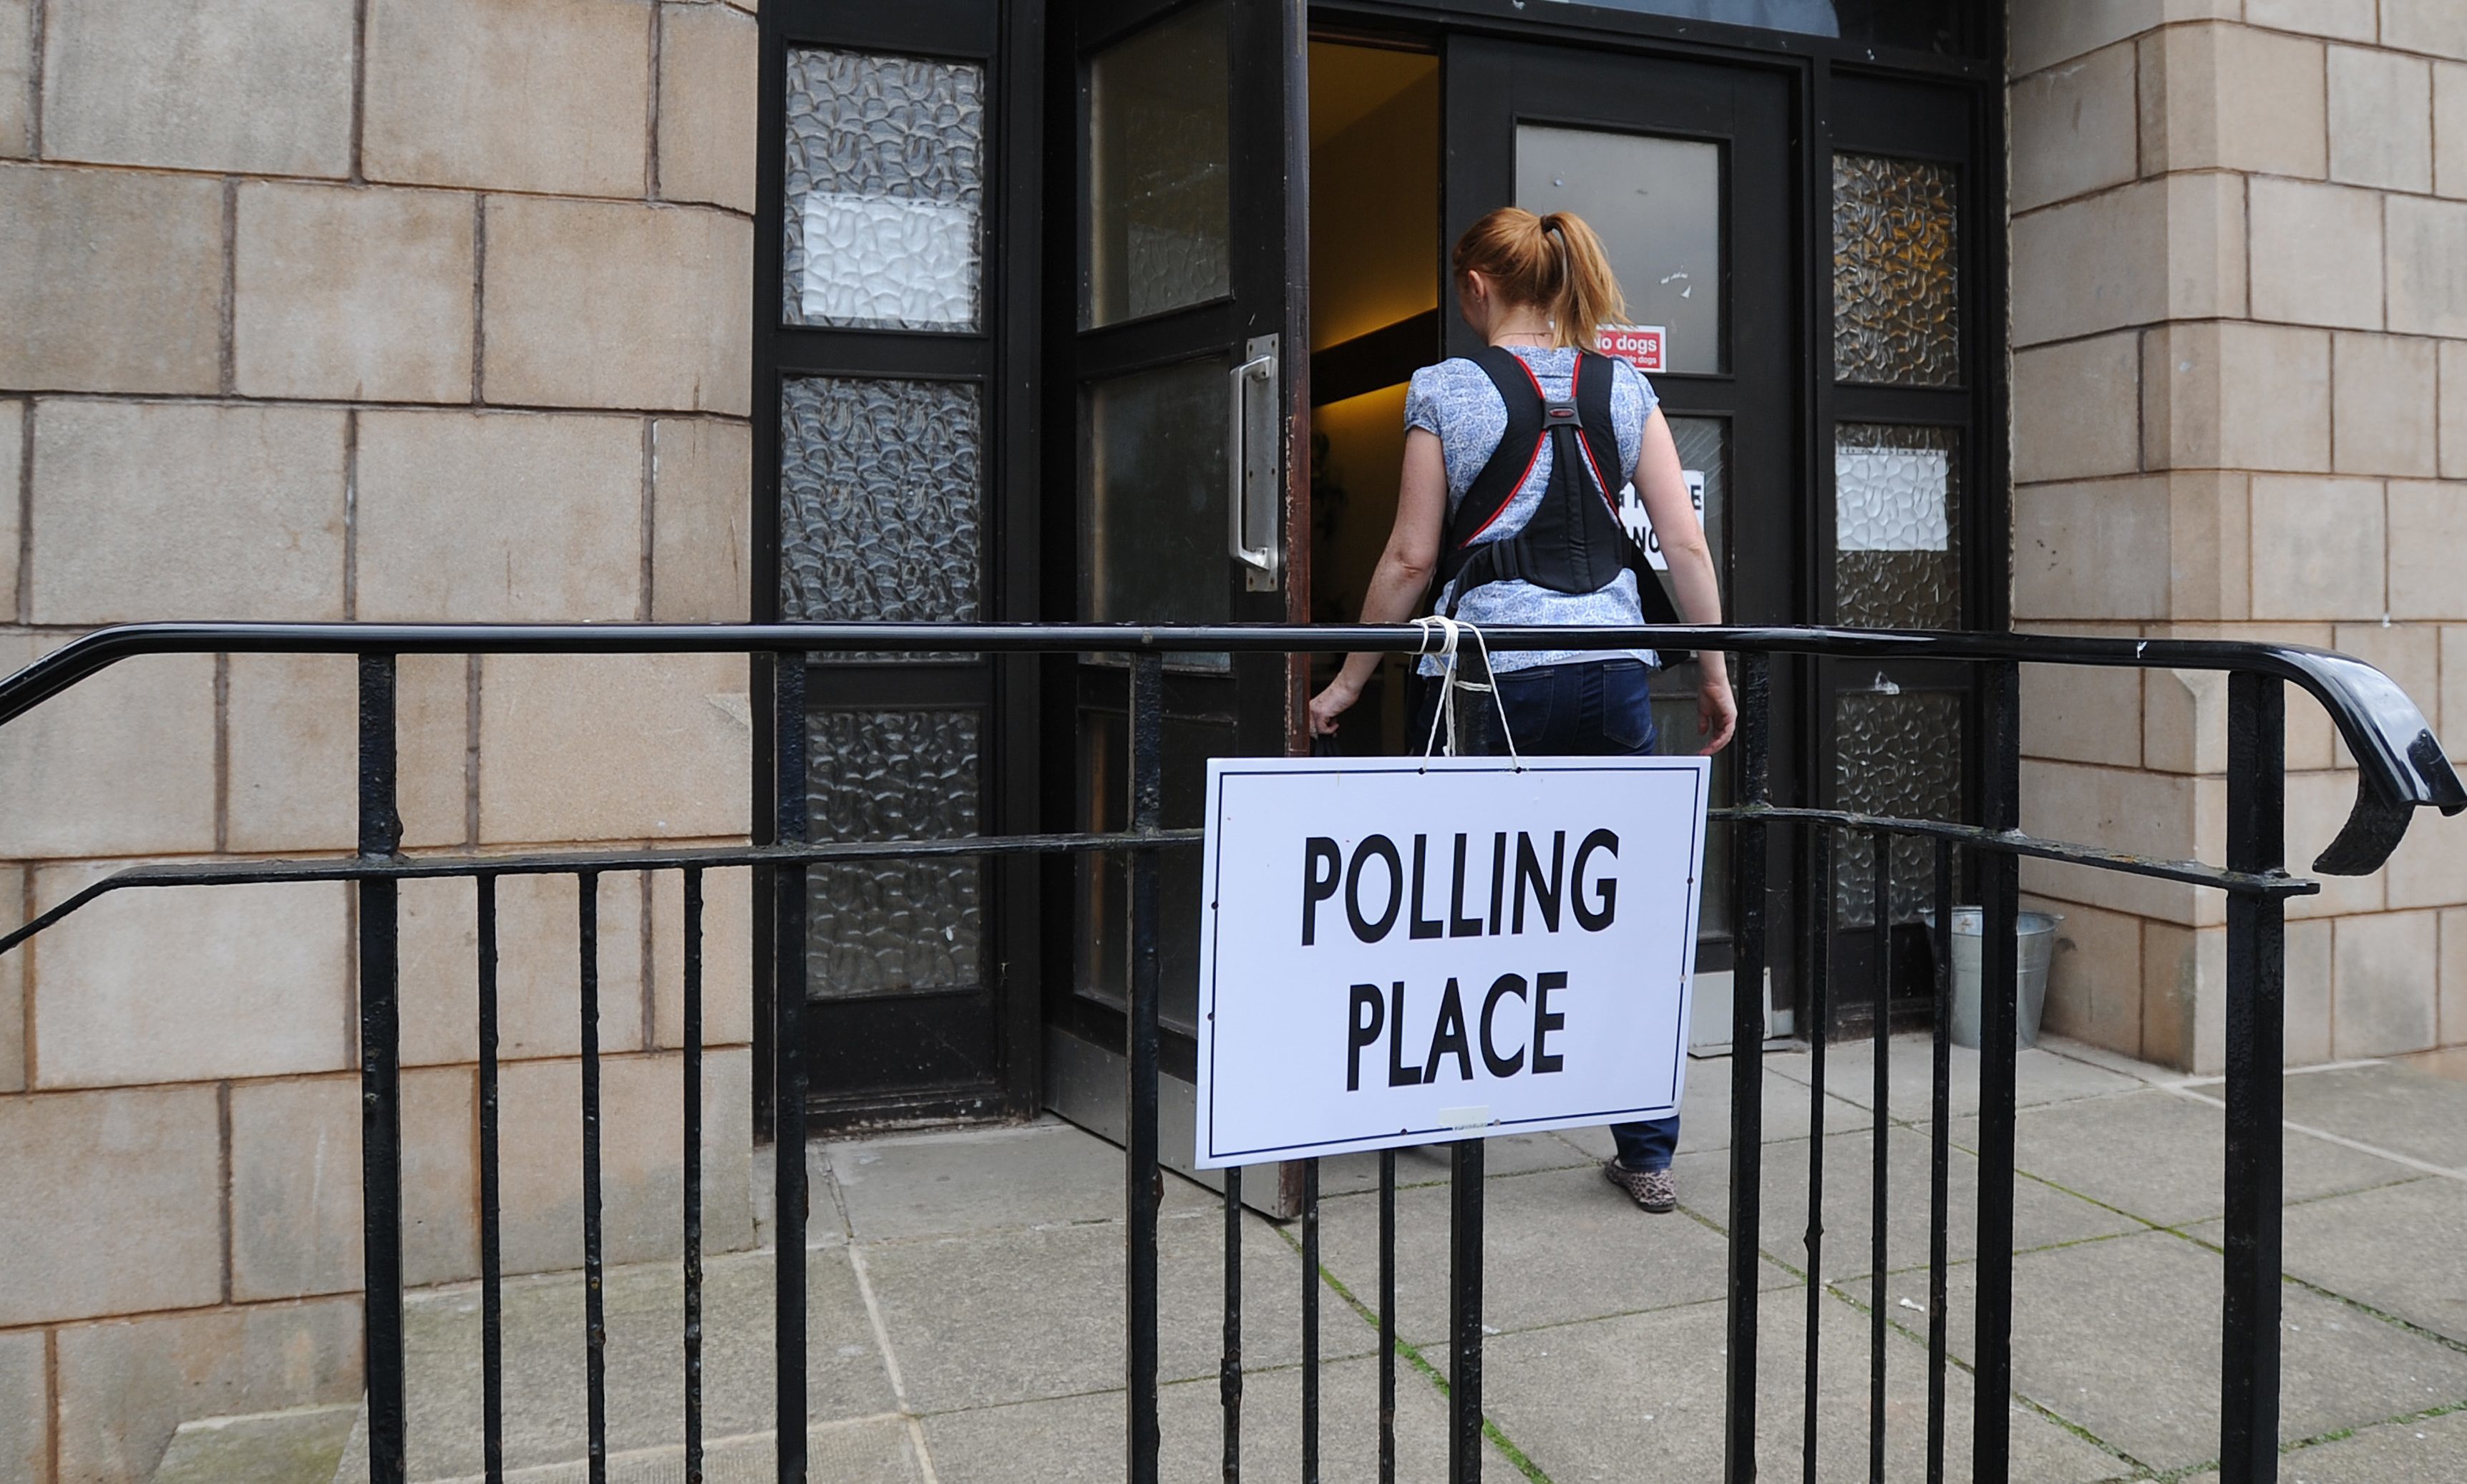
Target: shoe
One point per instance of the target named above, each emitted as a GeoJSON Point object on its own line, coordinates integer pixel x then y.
{"type": "Point", "coordinates": [1655, 1190]}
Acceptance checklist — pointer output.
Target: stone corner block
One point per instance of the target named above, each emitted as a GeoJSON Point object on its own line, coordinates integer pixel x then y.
{"type": "Point", "coordinates": [352, 293]}
{"type": "Point", "coordinates": [190, 983]}
{"type": "Point", "coordinates": [548, 96]}
{"type": "Point", "coordinates": [702, 516]}
{"type": "Point", "coordinates": [500, 517]}
{"type": "Point", "coordinates": [552, 769]}
{"type": "Point", "coordinates": [262, 86]}
{"type": "Point", "coordinates": [229, 512]}
{"type": "Point", "coordinates": [81, 1167]}
{"type": "Point", "coordinates": [608, 304]}
{"type": "Point", "coordinates": [114, 281]}
{"type": "Point", "coordinates": [710, 66]}
{"type": "Point", "coordinates": [295, 1188]}
{"type": "Point", "coordinates": [126, 1386]}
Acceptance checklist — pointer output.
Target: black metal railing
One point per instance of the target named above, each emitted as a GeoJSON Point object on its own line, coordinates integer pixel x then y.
{"type": "Point", "coordinates": [2401, 768]}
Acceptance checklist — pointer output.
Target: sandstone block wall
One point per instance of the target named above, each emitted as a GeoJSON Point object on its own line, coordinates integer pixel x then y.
{"type": "Point", "coordinates": [338, 309]}
{"type": "Point", "coordinates": [2240, 411]}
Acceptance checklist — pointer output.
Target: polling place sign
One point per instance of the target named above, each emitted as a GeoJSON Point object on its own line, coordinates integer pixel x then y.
{"type": "Point", "coordinates": [1401, 951]}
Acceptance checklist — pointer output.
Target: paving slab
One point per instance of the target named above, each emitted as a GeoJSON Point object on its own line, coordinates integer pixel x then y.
{"type": "Point", "coordinates": [546, 1362]}
{"type": "Point", "coordinates": [2398, 1249]}
{"type": "Point", "coordinates": [1705, 1108]}
{"type": "Point", "coordinates": [991, 1317]}
{"type": "Point", "coordinates": [1425, 1165]}
{"type": "Point", "coordinates": [2121, 1338]}
{"type": "Point", "coordinates": [1080, 1438]}
{"type": "Point", "coordinates": [2385, 1105]}
{"type": "Point", "coordinates": [877, 1451]}
{"type": "Point", "coordinates": [983, 1179]}
{"type": "Point", "coordinates": [2042, 1215]}
{"type": "Point", "coordinates": [299, 1447]}
{"type": "Point", "coordinates": [2163, 1157]}
{"type": "Point", "coordinates": [1643, 1396]}
{"type": "Point", "coordinates": [2040, 1076]}
{"type": "Point", "coordinates": [1556, 1246]}
{"type": "Point", "coordinates": [2427, 1451]}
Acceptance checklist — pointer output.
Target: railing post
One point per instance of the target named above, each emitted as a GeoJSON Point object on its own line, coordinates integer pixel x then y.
{"type": "Point", "coordinates": [2000, 881]}
{"type": "Point", "coordinates": [788, 1061]}
{"type": "Point", "coordinates": [381, 835]}
{"type": "Point", "coordinates": [1464, 1311]}
{"type": "Point", "coordinates": [1747, 1074]}
{"type": "Point", "coordinates": [2255, 1053]}
{"type": "Point", "coordinates": [1142, 1182]}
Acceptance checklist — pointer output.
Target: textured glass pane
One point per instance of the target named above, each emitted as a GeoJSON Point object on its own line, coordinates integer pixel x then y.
{"type": "Point", "coordinates": [1104, 880]}
{"type": "Point", "coordinates": [1897, 508]}
{"type": "Point", "coordinates": [1657, 204]}
{"type": "Point", "coordinates": [886, 191]}
{"type": "Point", "coordinates": [880, 500]}
{"type": "Point", "coordinates": [1156, 533]}
{"type": "Point", "coordinates": [1160, 205]}
{"type": "Point", "coordinates": [1896, 754]}
{"type": "Point", "coordinates": [1896, 302]}
{"type": "Point", "coordinates": [880, 927]}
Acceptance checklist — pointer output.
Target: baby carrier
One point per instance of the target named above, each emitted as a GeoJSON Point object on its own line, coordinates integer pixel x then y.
{"type": "Point", "coordinates": [1575, 541]}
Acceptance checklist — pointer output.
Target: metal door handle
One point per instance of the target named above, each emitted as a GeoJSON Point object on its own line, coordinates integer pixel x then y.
{"type": "Point", "coordinates": [1261, 559]}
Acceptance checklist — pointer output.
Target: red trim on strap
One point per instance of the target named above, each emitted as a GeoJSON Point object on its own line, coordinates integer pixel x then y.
{"type": "Point", "coordinates": [1512, 489]}
{"type": "Point", "coordinates": [1585, 444]}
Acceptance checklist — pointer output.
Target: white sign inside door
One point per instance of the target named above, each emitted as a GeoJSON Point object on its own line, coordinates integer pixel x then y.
{"type": "Point", "coordinates": [1401, 951]}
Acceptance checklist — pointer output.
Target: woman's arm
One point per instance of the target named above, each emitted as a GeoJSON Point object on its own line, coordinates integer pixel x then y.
{"type": "Point", "coordinates": [1663, 484]}
{"type": "Point", "coordinates": [1404, 571]}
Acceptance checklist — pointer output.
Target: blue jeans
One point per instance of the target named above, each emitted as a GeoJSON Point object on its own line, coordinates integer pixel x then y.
{"type": "Point", "coordinates": [1588, 708]}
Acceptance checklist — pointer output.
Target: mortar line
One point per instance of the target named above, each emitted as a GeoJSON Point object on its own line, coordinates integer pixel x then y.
{"type": "Point", "coordinates": [479, 297]}
{"type": "Point", "coordinates": [652, 104]}
{"type": "Point", "coordinates": [2339, 1140]}
{"type": "Point", "coordinates": [222, 755]}
{"type": "Point", "coordinates": [351, 515]}
{"type": "Point", "coordinates": [359, 88]}
{"type": "Point", "coordinates": [52, 1379]}
{"type": "Point", "coordinates": [24, 556]}
{"type": "Point", "coordinates": [228, 311]}
{"type": "Point", "coordinates": [471, 683]}
{"type": "Point", "coordinates": [39, 23]}
{"type": "Point", "coordinates": [647, 600]}
{"type": "Point", "coordinates": [890, 1359]}
{"type": "Point", "coordinates": [223, 1141]}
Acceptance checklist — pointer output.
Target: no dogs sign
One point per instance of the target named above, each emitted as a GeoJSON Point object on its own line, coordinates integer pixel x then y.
{"type": "Point", "coordinates": [1399, 951]}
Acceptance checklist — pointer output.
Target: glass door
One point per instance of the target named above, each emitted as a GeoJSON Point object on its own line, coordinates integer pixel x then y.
{"type": "Point", "coordinates": [1184, 321]}
{"type": "Point", "coordinates": [1685, 171]}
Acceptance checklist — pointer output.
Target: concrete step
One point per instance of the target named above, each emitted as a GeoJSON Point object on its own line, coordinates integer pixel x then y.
{"type": "Point", "coordinates": [546, 1431]}
{"type": "Point", "coordinates": [269, 1447]}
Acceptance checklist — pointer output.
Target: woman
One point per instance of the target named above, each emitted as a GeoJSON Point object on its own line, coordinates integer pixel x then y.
{"type": "Point", "coordinates": [1492, 503]}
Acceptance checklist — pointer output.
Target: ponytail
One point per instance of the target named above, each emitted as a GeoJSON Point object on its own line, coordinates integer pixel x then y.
{"type": "Point", "coordinates": [1589, 293]}
{"type": "Point", "coordinates": [1554, 263]}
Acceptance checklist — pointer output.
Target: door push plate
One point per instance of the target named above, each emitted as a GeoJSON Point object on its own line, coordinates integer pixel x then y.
{"type": "Point", "coordinates": [1254, 459]}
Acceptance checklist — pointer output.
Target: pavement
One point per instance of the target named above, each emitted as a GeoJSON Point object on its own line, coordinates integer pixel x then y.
{"type": "Point", "coordinates": [966, 1320]}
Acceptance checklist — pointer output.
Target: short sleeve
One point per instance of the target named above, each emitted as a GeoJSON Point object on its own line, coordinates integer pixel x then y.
{"type": "Point", "coordinates": [1423, 401]}
{"type": "Point", "coordinates": [1649, 399]}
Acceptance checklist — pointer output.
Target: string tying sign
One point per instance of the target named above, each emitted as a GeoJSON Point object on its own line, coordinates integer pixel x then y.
{"type": "Point", "coordinates": [1401, 951]}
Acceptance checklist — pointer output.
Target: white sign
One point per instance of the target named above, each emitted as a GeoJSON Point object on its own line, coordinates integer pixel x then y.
{"type": "Point", "coordinates": [1640, 525]}
{"type": "Point", "coordinates": [1402, 951]}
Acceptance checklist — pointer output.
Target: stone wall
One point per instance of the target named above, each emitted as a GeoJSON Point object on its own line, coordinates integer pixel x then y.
{"type": "Point", "coordinates": [2239, 320]}
{"type": "Point", "coordinates": [351, 309]}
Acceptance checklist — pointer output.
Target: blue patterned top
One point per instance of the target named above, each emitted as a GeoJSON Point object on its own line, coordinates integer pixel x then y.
{"type": "Point", "coordinates": [1455, 400]}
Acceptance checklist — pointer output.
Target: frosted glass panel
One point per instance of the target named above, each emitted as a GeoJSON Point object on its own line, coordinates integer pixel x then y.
{"type": "Point", "coordinates": [881, 491]}
{"type": "Point", "coordinates": [1156, 528]}
{"type": "Point", "coordinates": [1657, 205]}
{"type": "Point", "coordinates": [881, 927]}
{"type": "Point", "coordinates": [1896, 296]}
{"type": "Point", "coordinates": [886, 191]}
{"type": "Point", "coordinates": [1160, 202]}
{"type": "Point", "coordinates": [1896, 754]}
{"type": "Point", "coordinates": [1896, 503]}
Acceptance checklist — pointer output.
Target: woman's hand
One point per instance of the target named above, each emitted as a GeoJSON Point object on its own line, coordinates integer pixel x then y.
{"type": "Point", "coordinates": [1332, 703]}
{"type": "Point", "coordinates": [1717, 711]}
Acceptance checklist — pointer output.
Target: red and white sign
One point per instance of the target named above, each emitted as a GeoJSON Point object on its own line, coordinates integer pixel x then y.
{"type": "Point", "coordinates": [1639, 345]}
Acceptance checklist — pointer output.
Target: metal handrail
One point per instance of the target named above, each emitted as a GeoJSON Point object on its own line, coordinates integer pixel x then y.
{"type": "Point", "coordinates": [2400, 762]}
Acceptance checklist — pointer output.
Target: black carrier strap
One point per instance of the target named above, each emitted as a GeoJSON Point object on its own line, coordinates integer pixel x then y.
{"type": "Point", "coordinates": [1575, 542]}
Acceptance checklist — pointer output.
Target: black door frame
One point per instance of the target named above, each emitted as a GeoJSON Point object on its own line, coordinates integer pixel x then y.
{"type": "Point", "coordinates": [1001, 358]}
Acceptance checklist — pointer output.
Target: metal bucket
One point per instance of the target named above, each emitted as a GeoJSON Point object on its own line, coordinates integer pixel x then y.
{"type": "Point", "coordinates": [2036, 935]}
